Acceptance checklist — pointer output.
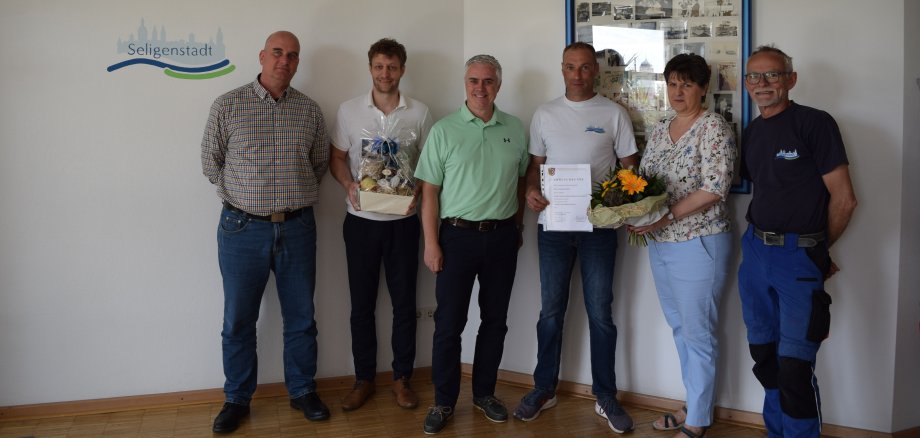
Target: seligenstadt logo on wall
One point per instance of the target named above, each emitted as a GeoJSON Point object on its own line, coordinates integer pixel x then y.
{"type": "Point", "coordinates": [180, 58]}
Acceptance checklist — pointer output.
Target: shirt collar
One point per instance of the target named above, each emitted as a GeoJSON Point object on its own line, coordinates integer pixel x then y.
{"type": "Point", "coordinates": [369, 100]}
{"type": "Point", "coordinates": [498, 117]}
{"type": "Point", "coordinates": [262, 91]}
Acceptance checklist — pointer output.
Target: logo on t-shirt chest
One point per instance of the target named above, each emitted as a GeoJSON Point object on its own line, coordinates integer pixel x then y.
{"type": "Point", "coordinates": [783, 154]}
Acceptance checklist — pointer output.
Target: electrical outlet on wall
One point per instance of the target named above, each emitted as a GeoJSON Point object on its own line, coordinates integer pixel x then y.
{"type": "Point", "coordinates": [425, 313]}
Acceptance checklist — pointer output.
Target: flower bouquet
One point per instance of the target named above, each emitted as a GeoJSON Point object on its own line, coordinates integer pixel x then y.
{"type": "Point", "coordinates": [386, 174]}
{"type": "Point", "coordinates": [627, 197]}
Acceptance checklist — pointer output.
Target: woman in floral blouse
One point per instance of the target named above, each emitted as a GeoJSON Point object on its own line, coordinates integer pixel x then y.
{"type": "Point", "coordinates": [694, 151]}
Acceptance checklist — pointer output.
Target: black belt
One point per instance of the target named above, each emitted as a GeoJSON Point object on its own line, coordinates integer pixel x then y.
{"type": "Point", "coordinates": [274, 217]}
{"type": "Point", "coordinates": [779, 239]}
{"type": "Point", "coordinates": [483, 226]}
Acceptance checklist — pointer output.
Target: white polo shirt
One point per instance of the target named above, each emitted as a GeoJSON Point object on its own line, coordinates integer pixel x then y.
{"type": "Point", "coordinates": [359, 115]}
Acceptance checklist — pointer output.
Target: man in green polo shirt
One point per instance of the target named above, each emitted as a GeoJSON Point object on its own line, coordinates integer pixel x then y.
{"type": "Point", "coordinates": [472, 166]}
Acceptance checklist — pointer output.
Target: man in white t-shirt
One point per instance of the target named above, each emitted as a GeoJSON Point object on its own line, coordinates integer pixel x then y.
{"type": "Point", "coordinates": [374, 238]}
{"type": "Point", "coordinates": [581, 127]}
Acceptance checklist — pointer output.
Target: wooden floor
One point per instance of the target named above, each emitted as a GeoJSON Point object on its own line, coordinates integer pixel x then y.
{"type": "Point", "coordinates": [380, 417]}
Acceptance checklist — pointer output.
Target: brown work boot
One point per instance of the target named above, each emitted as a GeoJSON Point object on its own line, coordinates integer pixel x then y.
{"type": "Point", "coordinates": [405, 397]}
{"type": "Point", "coordinates": [358, 395]}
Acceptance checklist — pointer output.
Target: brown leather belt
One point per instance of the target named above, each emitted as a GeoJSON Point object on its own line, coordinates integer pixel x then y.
{"type": "Point", "coordinates": [274, 217]}
{"type": "Point", "coordinates": [482, 226]}
{"type": "Point", "coordinates": [779, 239]}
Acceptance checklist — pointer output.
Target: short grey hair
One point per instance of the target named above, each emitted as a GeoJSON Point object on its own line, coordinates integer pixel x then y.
{"type": "Point", "coordinates": [770, 48]}
{"type": "Point", "coordinates": [487, 60]}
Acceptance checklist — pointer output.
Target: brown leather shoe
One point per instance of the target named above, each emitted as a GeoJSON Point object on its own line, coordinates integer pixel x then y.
{"type": "Point", "coordinates": [358, 395]}
{"type": "Point", "coordinates": [405, 398]}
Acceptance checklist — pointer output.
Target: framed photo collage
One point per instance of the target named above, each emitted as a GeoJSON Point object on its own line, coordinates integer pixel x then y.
{"type": "Point", "coordinates": [634, 39]}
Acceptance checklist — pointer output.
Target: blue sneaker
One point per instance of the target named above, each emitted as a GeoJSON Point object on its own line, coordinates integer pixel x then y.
{"type": "Point", "coordinates": [533, 403]}
{"type": "Point", "coordinates": [617, 418]}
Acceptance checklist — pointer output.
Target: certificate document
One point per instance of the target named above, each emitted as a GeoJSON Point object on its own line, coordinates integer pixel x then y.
{"type": "Point", "coordinates": [568, 189]}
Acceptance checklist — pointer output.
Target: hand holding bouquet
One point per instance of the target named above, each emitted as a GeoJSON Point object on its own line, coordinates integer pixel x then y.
{"type": "Point", "coordinates": [627, 197]}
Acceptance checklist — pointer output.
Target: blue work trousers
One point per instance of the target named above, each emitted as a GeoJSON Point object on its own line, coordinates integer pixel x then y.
{"type": "Point", "coordinates": [787, 314]}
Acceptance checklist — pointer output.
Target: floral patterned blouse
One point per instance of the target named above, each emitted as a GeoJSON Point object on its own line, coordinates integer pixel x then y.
{"type": "Point", "coordinates": [703, 158]}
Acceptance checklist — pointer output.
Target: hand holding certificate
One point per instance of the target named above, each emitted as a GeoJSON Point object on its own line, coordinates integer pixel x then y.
{"type": "Point", "coordinates": [568, 189]}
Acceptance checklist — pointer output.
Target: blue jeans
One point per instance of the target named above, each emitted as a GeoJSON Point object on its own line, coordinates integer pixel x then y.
{"type": "Point", "coordinates": [470, 255]}
{"type": "Point", "coordinates": [368, 244]}
{"type": "Point", "coordinates": [596, 252]}
{"type": "Point", "coordinates": [690, 277]}
{"type": "Point", "coordinates": [787, 314]}
{"type": "Point", "coordinates": [248, 250]}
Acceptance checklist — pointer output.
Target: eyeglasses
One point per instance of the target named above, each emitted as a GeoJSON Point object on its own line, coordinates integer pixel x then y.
{"type": "Point", "coordinates": [772, 77]}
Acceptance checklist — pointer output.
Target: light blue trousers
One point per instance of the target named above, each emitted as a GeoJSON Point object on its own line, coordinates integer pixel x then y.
{"type": "Point", "coordinates": [690, 277]}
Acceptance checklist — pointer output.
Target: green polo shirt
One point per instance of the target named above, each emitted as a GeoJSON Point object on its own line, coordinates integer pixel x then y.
{"type": "Point", "coordinates": [476, 164]}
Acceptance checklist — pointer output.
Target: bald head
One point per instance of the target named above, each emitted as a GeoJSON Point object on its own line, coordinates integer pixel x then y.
{"type": "Point", "coordinates": [279, 60]}
{"type": "Point", "coordinates": [283, 34]}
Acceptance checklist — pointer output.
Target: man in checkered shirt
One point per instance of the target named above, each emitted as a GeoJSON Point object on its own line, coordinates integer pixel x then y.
{"type": "Point", "coordinates": [265, 147]}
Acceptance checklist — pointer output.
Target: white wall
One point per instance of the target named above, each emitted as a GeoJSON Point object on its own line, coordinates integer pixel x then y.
{"type": "Point", "coordinates": [907, 356]}
{"type": "Point", "coordinates": [109, 283]}
{"type": "Point", "coordinates": [108, 277]}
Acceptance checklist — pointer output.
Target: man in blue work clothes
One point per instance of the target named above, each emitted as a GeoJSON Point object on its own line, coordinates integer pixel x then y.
{"type": "Point", "coordinates": [803, 201]}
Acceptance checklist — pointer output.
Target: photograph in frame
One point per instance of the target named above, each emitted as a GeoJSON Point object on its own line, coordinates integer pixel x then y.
{"type": "Point", "coordinates": [600, 9]}
{"type": "Point", "coordinates": [623, 9]}
{"type": "Point", "coordinates": [727, 75]}
{"type": "Point", "coordinates": [721, 8]}
{"type": "Point", "coordinates": [653, 9]}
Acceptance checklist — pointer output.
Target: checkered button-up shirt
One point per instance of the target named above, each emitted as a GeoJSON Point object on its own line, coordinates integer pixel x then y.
{"type": "Point", "coordinates": [265, 156]}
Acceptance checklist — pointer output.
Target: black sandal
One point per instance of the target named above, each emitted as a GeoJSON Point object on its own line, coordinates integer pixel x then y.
{"type": "Point", "coordinates": [670, 421]}
{"type": "Point", "coordinates": [690, 433]}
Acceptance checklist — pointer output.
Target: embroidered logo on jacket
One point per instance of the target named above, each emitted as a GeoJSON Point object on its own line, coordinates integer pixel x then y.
{"type": "Point", "coordinates": [787, 155]}
{"type": "Point", "coordinates": [596, 129]}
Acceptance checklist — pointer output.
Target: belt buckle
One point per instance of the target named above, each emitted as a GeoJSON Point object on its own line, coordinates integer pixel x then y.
{"type": "Point", "coordinates": [278, 217]}
{"type": "Point", "coordinates": [485, 226]}
{"type": "Point", "coordinates": [774, 239]}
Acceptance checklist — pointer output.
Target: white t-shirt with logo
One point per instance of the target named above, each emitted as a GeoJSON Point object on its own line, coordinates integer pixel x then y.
{"type": "Point", "coordinates": [596, 131]}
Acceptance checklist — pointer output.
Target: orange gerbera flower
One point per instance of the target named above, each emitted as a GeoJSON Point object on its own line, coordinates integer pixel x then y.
{"type": "Point", "coordinates": [633, 183]}
{"type": "Point", "coordinates": [625, 173]}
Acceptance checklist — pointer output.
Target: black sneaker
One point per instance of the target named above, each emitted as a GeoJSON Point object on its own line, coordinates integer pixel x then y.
{"type": "Point", "coordinates": [437, 418]}
{"type": "Point", "coordinates": [494, 409]}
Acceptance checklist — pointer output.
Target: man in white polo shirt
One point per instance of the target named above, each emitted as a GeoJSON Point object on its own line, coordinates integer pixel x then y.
{"type": "Point", "coordinates": [374, 238]}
